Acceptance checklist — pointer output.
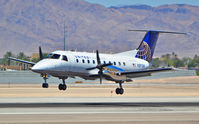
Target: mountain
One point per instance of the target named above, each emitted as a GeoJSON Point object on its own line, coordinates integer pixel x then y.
{"type": "Point", "coordinates": [27, 24]}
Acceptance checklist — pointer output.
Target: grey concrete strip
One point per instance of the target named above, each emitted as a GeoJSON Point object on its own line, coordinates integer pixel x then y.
{"type": "Point", "coordinates": [100, 100]}
{"type": "Point", "coordinates": [135, 118]}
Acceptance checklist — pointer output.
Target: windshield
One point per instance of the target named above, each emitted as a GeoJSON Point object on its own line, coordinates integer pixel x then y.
{"type": "Point", "coordinates": [53, 56]}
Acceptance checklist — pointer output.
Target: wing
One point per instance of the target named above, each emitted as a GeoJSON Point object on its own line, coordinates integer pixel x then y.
{"type": "Point", "coordinates": [143, 73]}
{"type": "Point", "coordinates": [114, 74]}
{"type": "Point", "coordinates": [23, 61]}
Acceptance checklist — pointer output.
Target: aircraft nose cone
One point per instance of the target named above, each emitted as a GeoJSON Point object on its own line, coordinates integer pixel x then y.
{"type": "Point", "coordinates": [39, 67]}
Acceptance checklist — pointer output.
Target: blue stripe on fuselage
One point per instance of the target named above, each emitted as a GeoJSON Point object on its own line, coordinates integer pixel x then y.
{"type": "Point", "coordinates": [114, 67]}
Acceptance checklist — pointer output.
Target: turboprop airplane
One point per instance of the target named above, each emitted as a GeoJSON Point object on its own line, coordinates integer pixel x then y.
{"type": "Point", "coordinates": [119, 67]}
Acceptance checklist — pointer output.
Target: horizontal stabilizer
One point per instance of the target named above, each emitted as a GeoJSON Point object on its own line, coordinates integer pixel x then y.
{"type": "Point", "coordinates": [168, 32]}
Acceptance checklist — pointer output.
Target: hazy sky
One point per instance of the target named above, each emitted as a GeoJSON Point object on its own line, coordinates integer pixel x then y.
{"type": "Point", "coordinates": [109, 3]}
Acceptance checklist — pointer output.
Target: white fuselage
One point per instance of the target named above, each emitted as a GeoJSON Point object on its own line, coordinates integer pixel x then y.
{"type": "Point", "coordinates": [72, 64]}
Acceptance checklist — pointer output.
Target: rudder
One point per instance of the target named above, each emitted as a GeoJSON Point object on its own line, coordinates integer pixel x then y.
{"type": "Point", "coordinates": [147, 46]}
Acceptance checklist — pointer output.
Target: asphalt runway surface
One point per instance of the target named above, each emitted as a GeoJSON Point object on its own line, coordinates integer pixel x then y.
{"type": "Point", "coordinates": [111, 110]}
{"type": "Point", "coordinates": [105, 104]}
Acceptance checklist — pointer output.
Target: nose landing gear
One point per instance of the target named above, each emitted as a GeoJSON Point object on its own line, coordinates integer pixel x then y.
{"type": "Point", "coordinates": [45, 84]}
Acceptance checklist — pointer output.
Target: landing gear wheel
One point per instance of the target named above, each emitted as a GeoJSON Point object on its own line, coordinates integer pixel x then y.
{"type": "Point", "coordinates": [45, 85]}
{"type": "Point", "coordinates": [62, 87]}
{"type": "Point", "coordinates": [119, 91]}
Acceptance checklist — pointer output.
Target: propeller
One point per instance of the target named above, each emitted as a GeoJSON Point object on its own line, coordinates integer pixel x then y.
{"type": "Point", "coordinates": [40, 53]}
{"type": "Point", "coordinates": [99, 66]}
{"type": "Point", "coordinates": [45, 76]}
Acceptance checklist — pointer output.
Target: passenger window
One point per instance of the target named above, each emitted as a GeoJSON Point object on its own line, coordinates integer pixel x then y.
{"type": "Point", "coordinates": [114, 63]}
{"type": "Point", "coordinates": [64, 58]}
{"type": "Point", "coordinates": [119, 63]}
{"type": "Point", "coordinates": [88, 61]}
{"type": "Point", "coordinates": [77, 60]}
{"type": "Point", "coordinates": [93, 61]}
{"type": "Point", "coordinates": [83, 61]}
{"type": "Point", "coordinates": [124, 63]}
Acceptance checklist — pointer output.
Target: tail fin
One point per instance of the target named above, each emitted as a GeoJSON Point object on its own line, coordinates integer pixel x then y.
{"type": "Point", "coordinates": [147, 46]}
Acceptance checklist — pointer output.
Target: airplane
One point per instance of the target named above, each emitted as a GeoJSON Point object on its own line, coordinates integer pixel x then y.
{"type": "Point", "coordinates": [118, 67]}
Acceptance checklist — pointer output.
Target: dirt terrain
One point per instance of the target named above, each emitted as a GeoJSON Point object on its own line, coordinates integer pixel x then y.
{"type": "Point", "coordinates": [180, 86]}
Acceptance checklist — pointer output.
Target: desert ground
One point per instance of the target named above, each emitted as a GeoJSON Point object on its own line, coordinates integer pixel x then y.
{"type": "Point", "coordinates": [178, 86]}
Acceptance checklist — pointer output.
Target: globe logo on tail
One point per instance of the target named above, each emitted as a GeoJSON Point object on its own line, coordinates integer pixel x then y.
{"type": "Point", "coordinates": [144, 52]}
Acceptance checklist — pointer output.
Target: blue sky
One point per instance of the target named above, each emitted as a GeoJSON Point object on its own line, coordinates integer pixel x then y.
{"type": "Point", "coordinates": [109, 3]}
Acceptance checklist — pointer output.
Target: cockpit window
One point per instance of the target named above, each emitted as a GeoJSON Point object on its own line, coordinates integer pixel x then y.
{"type": "Point", "coordinates": [64, 58]}
{"type": "Point", "coordinates": [53, 56]}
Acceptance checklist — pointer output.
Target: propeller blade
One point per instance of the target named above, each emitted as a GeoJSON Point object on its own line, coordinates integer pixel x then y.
{"type": "Point", "coordinates": [100, 79]}
{"type": "Point", "coordinates": [40, 53]}
{"type": "Point", "coordinates": [100, 75]}
{"type": "Point", "coordinates": [98, 58]}
{"type": "Point", "coordinates": [91, 68]}
{"type": "Point", "coordinates": [101, 66]}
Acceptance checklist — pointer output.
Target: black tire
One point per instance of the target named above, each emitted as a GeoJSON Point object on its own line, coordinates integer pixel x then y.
{"type": "Point", "coordinates": [45, 85]}
{"type": "Point", "coordinates": [64, 87]}
{"type": "Point", "coordinates": [121, 91]}
{"type": "Point", "coordinates": [117, 91]}
{"type": "Point", "coordinates": [60, 87]}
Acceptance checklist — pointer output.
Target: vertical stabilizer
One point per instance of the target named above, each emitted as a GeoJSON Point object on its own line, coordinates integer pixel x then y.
{"type": "Point", "coordinates": [147, 46]}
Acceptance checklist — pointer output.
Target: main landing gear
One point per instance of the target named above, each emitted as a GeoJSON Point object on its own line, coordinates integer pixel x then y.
{"type": "Point", "coordinates": [45, 84]}
{"type": "Point", "coordinates": [119, 90]}
{"type": "Point", "coordinates": [62, 86]}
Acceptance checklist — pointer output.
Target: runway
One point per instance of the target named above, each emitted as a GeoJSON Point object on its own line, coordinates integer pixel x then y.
{"type": "Point", "coordinates": [119, 118]}
{"type": "Point", "coordinates": [163, 101]}
{"type": "Point", "coordinates": [112, 110]}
